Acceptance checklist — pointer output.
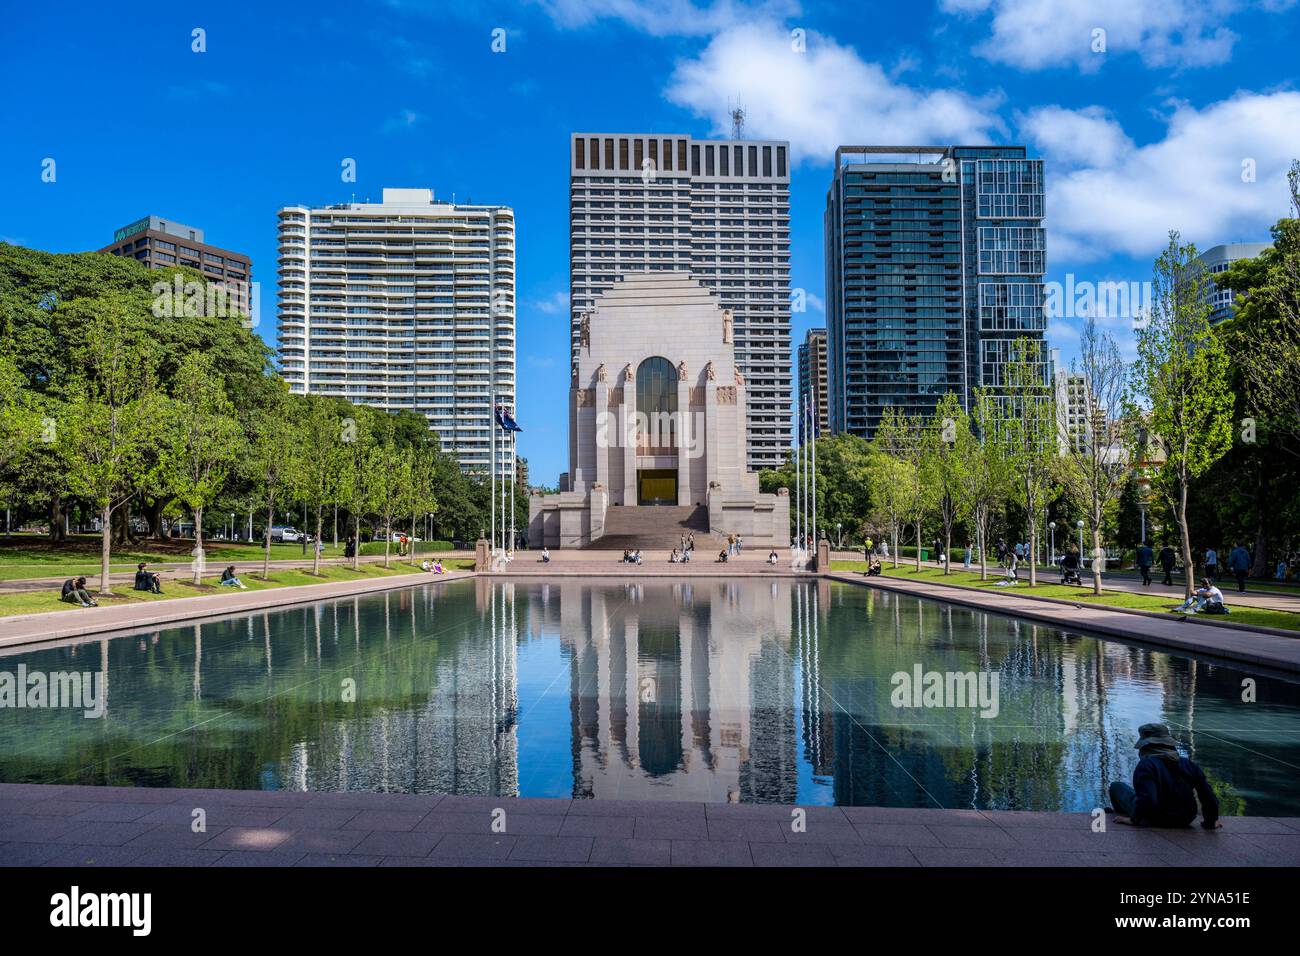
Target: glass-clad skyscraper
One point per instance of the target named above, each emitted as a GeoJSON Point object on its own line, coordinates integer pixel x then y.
{"type": "Point", "coordinates": [934, 266]}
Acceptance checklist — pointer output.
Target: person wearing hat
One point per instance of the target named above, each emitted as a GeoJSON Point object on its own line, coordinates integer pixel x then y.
{"type": "Point", "coordinates": [1165, 786]}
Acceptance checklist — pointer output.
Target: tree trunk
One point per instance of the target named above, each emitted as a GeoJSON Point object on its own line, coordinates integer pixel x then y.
{"type": "Point", "coordinates": [105, 547]}
{"type": "Point", "coordinates": [266, 554]}
{"type": "Point", "coordinates": [356, 552]}
{"type": "Point", "coordinates": [1097, 559]}
{"type": "Point", "coordinates": [198, 546]}
{"type": "Point", "coordinates": [947, 546]}
{"type": "Point", "coordinates": [315, 551]}
{"type": "Point", "coordinates": [918, 546]}
{"type": "Point", "coordinates": [894, 532]}
{"type": "Point", "coordinates": [56, 519]}
{"type": "Point", "coordinates": [153, 516]}
{"type": "Point", "coordinates": [411, 555]}
{"type": "Point", "coordinates": [980, 537]}
{"type": "Point", "coordinates": [1033, 550]}
{"type": "Point", "coordinates": [388, 537]}
{"type": "Point", "coordinates": [1189, 567]}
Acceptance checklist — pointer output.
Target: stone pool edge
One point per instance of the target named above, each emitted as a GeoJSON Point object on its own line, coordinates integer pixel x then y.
{"type": "Point", "coordinates": [1236, 645]}
{"type": "Point", "coordinates": [66, 825]}
{"type": "Point", "coordinates": [21, 629]}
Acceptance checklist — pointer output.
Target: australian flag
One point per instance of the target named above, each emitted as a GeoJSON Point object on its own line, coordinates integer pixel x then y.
{"type": "Point", "coordinates": [505, 420]}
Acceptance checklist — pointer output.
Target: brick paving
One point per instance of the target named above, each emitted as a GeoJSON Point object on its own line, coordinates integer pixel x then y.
{"type": "Point", "coordinates": [53, 825]}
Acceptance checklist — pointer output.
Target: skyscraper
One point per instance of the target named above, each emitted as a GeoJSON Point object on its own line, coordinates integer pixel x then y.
{"type": "Point", "coordinates": [934, 267]}
{"type": "Point", "coordinates": [813, 382]}
{"type": "Point", "coordinates": [409, 304]}
{"type": "Point", "coordinates": [161, 243]}
{"type": "Point", "coordinates": [718, 208]}
{"type": "Point", "coordinates": [1217, 259]}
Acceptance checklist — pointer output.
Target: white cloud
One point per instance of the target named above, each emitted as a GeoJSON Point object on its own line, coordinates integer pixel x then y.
{"type": "Point", "coordinates": [553, 303]}
{"type": "Point", "coordinates": [1033, 34]}
{"type": "Point", "coordinates": [1116, 197]}
{"type": "Point", "coordinates": [824, 97]}
{"type": "Point", "coordinates": [405, 119]}
{"type": "Point", "coordinates": [667, 17]}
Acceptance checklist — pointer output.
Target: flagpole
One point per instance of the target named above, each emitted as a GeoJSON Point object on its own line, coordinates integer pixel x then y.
{"type": "Point", "coordinates": [812, 430]}
{"type": "Point", "coordinates": [798, 484]}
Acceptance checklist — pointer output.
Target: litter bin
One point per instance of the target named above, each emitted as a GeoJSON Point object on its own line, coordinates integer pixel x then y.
{"type": "Point", "coordinates": [925, 554]}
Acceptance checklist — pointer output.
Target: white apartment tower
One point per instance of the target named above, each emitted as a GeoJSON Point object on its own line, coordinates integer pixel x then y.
{"type": "Point", "coordinates": [409, 304]}
{"type": "Point", "coordinates": [719, 209]}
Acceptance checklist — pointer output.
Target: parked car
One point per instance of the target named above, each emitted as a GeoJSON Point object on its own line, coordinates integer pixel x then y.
{"type": "Point", "coordinates": [285, 534]}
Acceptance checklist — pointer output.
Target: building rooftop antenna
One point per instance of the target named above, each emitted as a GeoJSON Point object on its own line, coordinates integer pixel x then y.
{"type": "Point", "coordinates": [737, 121]}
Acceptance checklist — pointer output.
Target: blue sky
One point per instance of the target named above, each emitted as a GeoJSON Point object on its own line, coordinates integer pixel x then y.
{"type": "Point", "coordinates": [1187, 119]}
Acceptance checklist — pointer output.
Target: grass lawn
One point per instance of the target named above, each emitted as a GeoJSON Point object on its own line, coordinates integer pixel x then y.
{"type": "Point", "coordinates": [1260, 617]}
{"type": "Point", "coordinates": [32, 556]}
{"type": "Point", "coordinates": [35, 602]}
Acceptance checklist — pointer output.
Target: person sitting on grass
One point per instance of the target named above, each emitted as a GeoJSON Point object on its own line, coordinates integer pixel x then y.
{"type": "Point", "coordinates": [873, 567]}
{"type": "Point", "coordinates": [229, 580]}
{"type": "Point", "coordinates": [1165, 786]}
{"type": "Point", "coordinates": [1207, 599]}
{"type": "Point", "coordinates": [437, 566]}
{"type": "Point", "coordinates": [147, 580]}
{"type": "Point", "coordinates": [74, 592]}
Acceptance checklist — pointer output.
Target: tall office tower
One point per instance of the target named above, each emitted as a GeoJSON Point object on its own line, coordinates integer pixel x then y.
{"type": "Point", "coordinates": [409, 304]}
{"type": "Point", "coordinates": [813, 382]}
{"type": "Point", "coordinates": [161, 243]}
{"type": "Point", "coordinates": [1217, 259]}
{"type": "Point", "coordinates": [720, 208]}
{"type": "Point", "coordinates": [934, 267]}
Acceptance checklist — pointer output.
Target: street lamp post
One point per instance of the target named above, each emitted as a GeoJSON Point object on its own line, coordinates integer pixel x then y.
{"type": "Point", "coordinates": [1080, 526]}
{"type": "Point", "coordinates": [1142, 510]}
{"type": "Point", "coordinates": [1051, 542]}
{"type": "Point", "coordinates": [839, 536]}
{"type": "Point", "coordinates": [232, 526]}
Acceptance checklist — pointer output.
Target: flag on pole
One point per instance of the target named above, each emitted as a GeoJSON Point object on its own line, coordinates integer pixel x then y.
{"type": "Point", "coordinates": [506, 421]}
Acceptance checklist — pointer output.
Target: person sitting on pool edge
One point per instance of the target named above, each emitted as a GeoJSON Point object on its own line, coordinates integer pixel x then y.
{"type": "Point", "coordinates": [1166, 786]}
{"type": "Point", "coordinates": [773, 557]}
{"type": "Point", "coordinates": [74, 592]}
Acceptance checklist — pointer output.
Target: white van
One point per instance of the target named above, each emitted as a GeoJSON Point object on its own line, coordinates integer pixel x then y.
{"type": "Point", "coordinates": [285, 534]}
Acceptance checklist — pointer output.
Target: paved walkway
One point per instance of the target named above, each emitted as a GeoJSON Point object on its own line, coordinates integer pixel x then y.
{"type": "Point", "coordinates": [112, 826]}
{"type": "Point", "coordinates": [80, 622]}
{"type": "Point", "coordinates": [1195, 635]}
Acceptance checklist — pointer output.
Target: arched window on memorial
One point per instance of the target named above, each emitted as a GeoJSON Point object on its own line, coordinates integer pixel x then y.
{"type": "Point", "coordinates": [656, 403]}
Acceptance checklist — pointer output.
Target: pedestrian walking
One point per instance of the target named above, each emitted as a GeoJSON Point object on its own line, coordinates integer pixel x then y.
{"type": "Point", "coordinates": [1239, 565]}
{"type": "Point", "coordinates": [1145, 558]}
{"type": "Point", "coordinates": [1167, 561]}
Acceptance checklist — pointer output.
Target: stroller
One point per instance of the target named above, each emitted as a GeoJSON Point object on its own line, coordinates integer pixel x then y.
{"type": "Point", "coordinates": [1070, 570]}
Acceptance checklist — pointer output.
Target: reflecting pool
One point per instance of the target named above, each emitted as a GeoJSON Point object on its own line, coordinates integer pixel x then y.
{"type": "Point", "coordinates": [723, 690]}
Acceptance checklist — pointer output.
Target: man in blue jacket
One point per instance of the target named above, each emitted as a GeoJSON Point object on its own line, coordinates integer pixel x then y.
{"type": "Point", "coordinates": [1165, 787]}
{"type": "Point", "coordinates": [1239, 564]}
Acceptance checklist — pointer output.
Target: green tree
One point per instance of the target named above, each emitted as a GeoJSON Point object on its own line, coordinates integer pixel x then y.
{"type": "Point", "coordinates": [388, 480]}
{"type": "Point", "coordinates": [108, 425]}
{"type": "Point", "coordinates": [895, 480]}
{"type": "Point", "coordinates": [943, 466]}
{"type": "Point", "coordinates": [203, 441]}
{"type": "Point", "coordinates": [1264, 336]}
{"type": "Point", "coordinates": [985, 474]}
{"type": "Point", "coordinates": [1094, 462]}
{"type": "Point", "coordinates": [1182, 373]}
{"type": "Point", "coordinates": [319, 480]}
{"type": "Point", "coordinates": [356, 477]}
{"type": "Point", "coordinates": [274, 458]}
{"type": "Point", "coordinates": [1026, 432]}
